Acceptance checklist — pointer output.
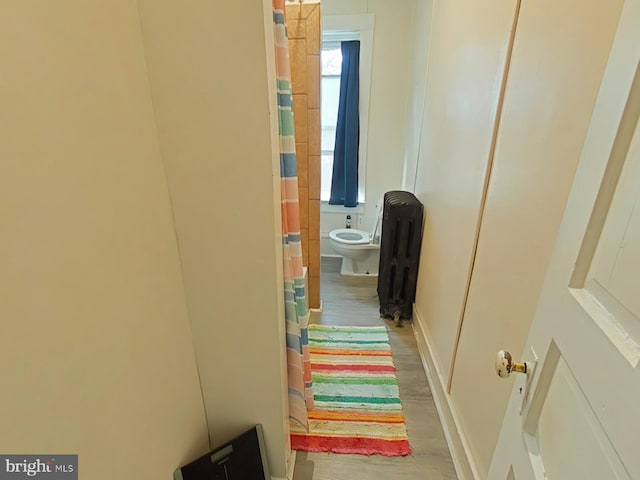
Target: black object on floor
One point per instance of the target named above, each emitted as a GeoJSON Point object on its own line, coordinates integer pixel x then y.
{"type": "Point", "coordinates": [243, 458]}
{"type": "Point", "coordinates": [402, 218]}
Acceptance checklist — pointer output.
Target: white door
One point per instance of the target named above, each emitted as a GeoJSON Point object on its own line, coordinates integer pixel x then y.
{"type": "Point", "coordinates": [580, 416]}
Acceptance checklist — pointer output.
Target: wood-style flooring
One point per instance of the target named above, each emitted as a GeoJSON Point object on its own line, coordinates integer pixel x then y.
{"type": "Point", "coordinates": [353, 301]}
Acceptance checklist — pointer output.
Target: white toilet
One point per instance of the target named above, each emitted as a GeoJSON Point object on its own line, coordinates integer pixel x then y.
{"type": "Point", "coordinates": [360, 250]}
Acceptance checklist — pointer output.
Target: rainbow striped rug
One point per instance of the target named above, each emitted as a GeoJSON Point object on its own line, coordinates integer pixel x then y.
{"type": "Point", "coordinates": [357, 403]}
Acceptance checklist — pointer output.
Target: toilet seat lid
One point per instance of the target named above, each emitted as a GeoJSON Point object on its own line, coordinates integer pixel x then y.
{"type": "Point", "coordinates": [350, 236]}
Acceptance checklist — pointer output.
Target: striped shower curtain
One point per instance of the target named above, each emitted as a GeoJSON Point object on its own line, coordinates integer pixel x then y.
{"type": "Point", "coordinates": [296, 309]}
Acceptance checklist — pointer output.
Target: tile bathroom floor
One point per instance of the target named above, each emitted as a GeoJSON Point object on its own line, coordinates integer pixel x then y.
{"type": "Point", "coordinates": [354, 301]}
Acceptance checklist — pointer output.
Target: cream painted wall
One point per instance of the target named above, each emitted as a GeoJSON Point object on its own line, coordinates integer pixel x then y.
{"type": "Point", "coordinates": [391, 65]}
{"type": "Point", "coordinates": [214, 93]}
{"type": "Point", "coordinates": [553, 81]}
{"type": "Point", "coordinates": [422, 18]}
{"type": "Point", "coordinates": [468, 45]}
{"type": "Point", "coordinates": [96, 355]}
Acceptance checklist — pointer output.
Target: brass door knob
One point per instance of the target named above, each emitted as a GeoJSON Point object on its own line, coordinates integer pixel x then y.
{"type": "Point", "coordinates": [505, 365]}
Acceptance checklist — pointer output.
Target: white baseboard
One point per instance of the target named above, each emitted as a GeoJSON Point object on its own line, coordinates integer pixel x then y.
{"type": "Point", "coordinates": [292, 465]}
{"type": "Point", "coordinates": [305, 272]}
{"type": "Point", "coordinates": [290, 468]}
{"type": "Point", "coordinates": [317, 310]}
{"type": "Point", "coordinates": [455, 436]}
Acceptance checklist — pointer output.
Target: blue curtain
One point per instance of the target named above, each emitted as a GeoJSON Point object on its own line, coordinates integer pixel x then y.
{"type": "Point", "coordinates": [344, 181]}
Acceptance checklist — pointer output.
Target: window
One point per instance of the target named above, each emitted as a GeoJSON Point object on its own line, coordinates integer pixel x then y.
{"type": "Point", "coordinates": [339, 28]}
{"type": "Point", "coordinates": [331, 63]}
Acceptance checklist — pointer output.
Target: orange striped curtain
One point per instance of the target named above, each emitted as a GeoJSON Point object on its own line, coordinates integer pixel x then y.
{"type": "Point", "coordinates": [296, 308]}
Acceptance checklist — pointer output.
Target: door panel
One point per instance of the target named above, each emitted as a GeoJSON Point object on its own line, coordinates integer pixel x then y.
{"type": "Point", "coordinates": [609, 293]}
{"type": "Point", "coordinates": [563, 427]}
{"type": "Point", "coordinates": [582, 418]}
{"type": "Point", "coordinates": [628, 265]}
{"type": "Point", "coordinates": [617, 258]}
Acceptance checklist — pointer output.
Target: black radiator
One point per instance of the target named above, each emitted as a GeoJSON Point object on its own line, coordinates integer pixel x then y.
{"type": "Point", "coordinates": [402, 216]}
